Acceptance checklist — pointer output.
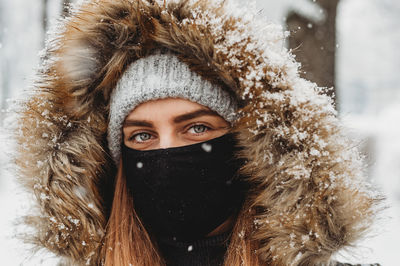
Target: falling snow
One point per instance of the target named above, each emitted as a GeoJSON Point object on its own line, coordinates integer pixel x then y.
{"type": "Point", "coordinates": [383, 137]}
{"type": "Point", "coordinates": [206, 147]}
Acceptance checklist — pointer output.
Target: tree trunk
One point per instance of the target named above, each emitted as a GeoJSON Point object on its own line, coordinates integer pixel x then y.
{"type": "Point", "coordinates": [44, 18]}
{"type": "Point", "coordinates": [314, 44]}
{"type": "Point", "coordinates": [65, 7]}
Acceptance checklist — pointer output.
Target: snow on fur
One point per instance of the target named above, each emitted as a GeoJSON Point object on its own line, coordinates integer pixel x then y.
{"type": "Point", "coordinates": [307, 199]}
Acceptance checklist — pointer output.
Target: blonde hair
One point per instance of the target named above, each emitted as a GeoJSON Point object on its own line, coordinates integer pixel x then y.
{"type": "Point", "coordinates": [128, 243]}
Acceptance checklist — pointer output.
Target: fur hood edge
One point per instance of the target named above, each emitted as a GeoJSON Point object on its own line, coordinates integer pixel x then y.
{"type": "Point", "coordinates": [308, 199]}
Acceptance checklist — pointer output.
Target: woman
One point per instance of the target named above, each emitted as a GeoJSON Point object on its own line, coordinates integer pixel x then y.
{"type": "Point", "coordinates": [180, 133]}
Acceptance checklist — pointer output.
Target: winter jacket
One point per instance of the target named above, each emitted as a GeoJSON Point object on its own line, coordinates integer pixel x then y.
{"type": "Point", "coordinates": [307, 199]}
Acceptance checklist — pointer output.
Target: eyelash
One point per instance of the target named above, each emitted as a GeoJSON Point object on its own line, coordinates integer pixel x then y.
{"type": "Point", "coordinates": [133, 137]}
{"type": "Point", "coordinates": [207, 128]}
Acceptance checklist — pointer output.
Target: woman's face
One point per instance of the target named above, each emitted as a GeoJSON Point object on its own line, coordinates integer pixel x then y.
{"type": "Point", "coordinates": [171, 122]}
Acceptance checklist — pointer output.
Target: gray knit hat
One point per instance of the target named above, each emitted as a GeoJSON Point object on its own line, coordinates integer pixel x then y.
{"type": "Point", "coordinates": [158, 76]}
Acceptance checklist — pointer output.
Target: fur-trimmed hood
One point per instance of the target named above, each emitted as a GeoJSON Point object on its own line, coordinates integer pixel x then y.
{"type": "Point", "coordinates": [307, 199]}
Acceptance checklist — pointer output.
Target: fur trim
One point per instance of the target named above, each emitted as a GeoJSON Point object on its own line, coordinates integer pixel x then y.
{"type": "Point", "coordinates": [306, 196]}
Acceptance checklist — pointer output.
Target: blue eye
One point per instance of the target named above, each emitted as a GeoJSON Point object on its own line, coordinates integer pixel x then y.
{"type": "Point", "coordinates": [198, 129]}
{"type": "Point", "coordinates": [141, 137]}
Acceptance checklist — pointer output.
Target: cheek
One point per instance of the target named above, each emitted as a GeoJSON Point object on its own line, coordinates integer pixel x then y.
{"type": "Point", "coordinates": [126, 134]}
{"type": "Point", "coordinates": [222, 131]}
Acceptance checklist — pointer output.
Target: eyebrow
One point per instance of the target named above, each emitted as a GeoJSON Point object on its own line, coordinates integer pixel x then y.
{"type": "Point", "coordinates": [194, 114]}
{"type": "Point", "coordinates": [177, 119]}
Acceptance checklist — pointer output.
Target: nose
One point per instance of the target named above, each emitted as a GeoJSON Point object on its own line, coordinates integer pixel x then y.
{"type": "Point", "coordinates": [169, 141]}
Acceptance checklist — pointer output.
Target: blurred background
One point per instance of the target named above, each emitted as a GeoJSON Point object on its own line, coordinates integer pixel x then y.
{"type": "Point", "coordinates": [350, 45]}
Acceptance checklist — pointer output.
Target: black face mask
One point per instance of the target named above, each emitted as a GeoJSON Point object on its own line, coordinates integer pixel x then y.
{"type": "Point", "coordinates": [184, 193]}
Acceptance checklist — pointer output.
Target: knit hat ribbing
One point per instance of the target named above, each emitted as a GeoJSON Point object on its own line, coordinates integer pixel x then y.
{"type": "Point", "coordinates": [160, 76]}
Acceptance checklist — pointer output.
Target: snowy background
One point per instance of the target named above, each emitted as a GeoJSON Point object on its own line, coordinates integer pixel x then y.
{"type": "Point", "coordinates": [368, 88]}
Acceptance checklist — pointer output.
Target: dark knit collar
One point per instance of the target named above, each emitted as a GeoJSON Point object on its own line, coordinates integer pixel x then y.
{"type": "Point", "coordinates": [209, 251]}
